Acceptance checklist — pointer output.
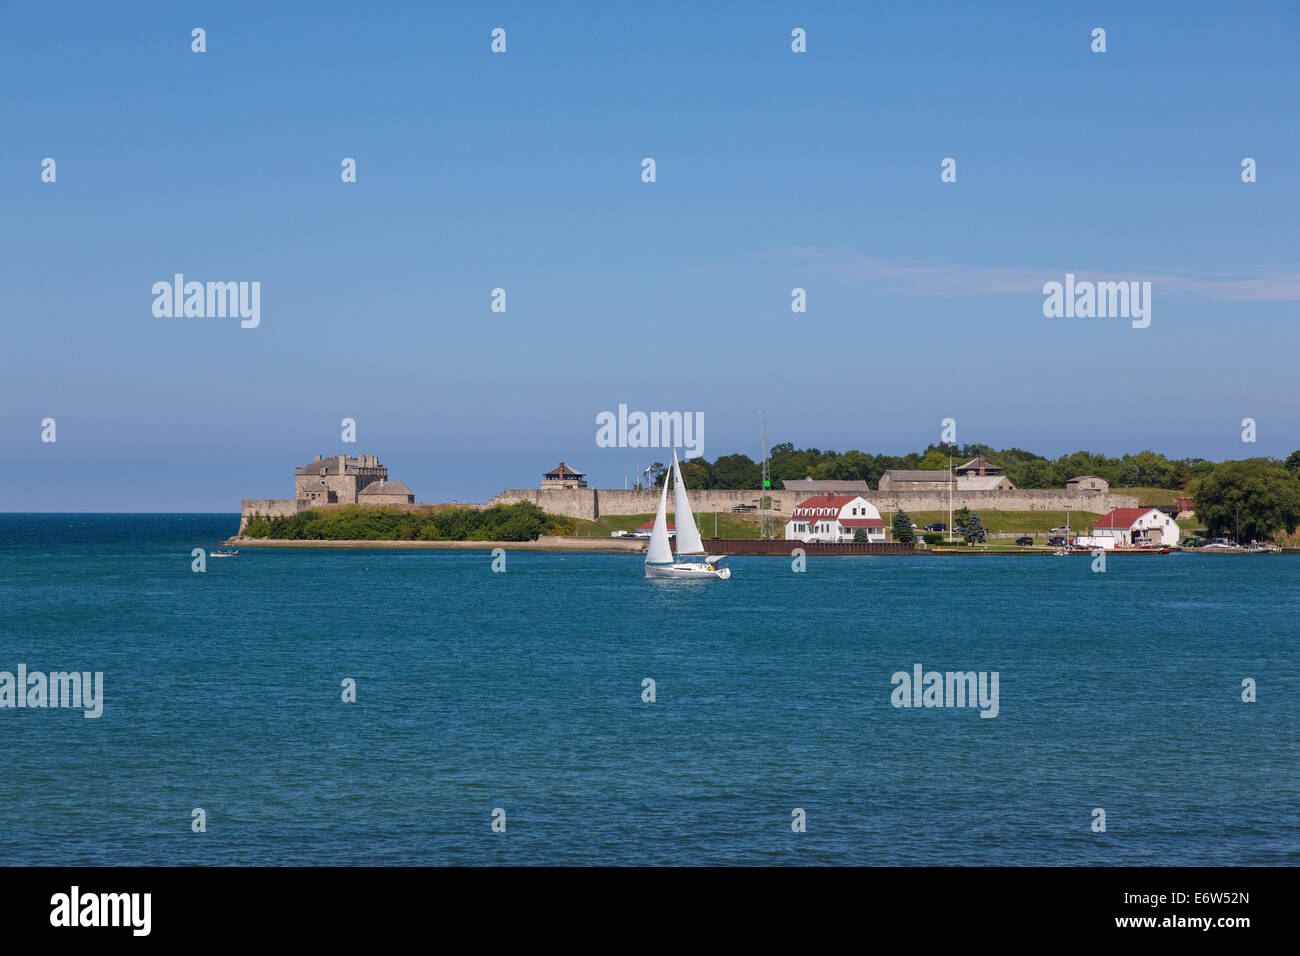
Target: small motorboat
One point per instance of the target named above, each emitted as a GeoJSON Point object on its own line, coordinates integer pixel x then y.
{"type": "Point", "coordinates": [223, 554]}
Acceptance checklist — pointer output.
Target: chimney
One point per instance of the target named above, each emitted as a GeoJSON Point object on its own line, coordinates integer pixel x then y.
{"type": "Point", "coordinates": [318, 457]}
{"type": "Point", "coordinates": [343, 464]}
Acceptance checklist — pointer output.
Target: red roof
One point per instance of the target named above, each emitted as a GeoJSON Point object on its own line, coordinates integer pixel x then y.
{"type": "Point", "coordinates": [863, 522]}
{"type": "Point", "coordinates": [650, 526]}
{"type": "Point", "coordinates": [834, 502]}
{"type": "Point", "coordinates": [1123, 517]}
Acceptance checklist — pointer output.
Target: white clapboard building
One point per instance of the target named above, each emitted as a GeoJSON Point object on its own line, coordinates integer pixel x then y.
{"type": "Point", "coordinates": [1132, 528]}
{"type": "Point", "coordinates": [834, 518]}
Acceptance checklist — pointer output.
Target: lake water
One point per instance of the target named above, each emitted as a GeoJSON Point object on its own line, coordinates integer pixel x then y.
{"type": "Point", "coordinates": [523, 691]}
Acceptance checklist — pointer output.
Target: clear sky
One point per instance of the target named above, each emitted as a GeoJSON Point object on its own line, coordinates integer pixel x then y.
{"type": "Point", "coordinates": [522, 171]}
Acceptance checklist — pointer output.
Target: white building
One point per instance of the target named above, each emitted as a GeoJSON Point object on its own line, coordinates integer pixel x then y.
{"type": "Point", "coordinates": [835, 519]}
{"type": "Point", "coordinates": [1132, 528]}
{"type": "Point", "coordinates": [644, 531]}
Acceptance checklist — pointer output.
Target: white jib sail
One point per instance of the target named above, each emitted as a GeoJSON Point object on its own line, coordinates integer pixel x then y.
{"type": "Point", "coordinates": [659, 552]}
{"type": "Point", "coordinates": [688, 536]}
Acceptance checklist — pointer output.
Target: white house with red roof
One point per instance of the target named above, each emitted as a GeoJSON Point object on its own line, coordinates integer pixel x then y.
{"type": "Point", "coordinates": [834, 518]}
{"type": "Point", "coordinates": [1132, 528]}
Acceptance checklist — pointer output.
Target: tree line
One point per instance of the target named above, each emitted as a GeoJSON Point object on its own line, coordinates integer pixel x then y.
{"type": "Point", "coordinates": [1255, 498]}
{"type": "Point", "coordinates": [1024, 468]}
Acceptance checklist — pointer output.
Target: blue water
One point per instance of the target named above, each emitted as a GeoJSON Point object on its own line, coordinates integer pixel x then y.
{"type": "Point", "coordinates": [522, 690]}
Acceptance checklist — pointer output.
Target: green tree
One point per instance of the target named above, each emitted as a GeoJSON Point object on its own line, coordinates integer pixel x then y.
{"type": "Point", "coordinates": [737, 472]}
{"type": "Point", "coordinates": [860, 536]}
{"type": "Point", "coordinates": [1293, 463]}
{"type": "Point", "coordinates": [973, 529]}
{"type": "Point", "coordinates": [697, 473]}
{"type": "Point", "coordinates": [959, 519]}
{"type": "Point", "coordinates": [1259, 496]}
{"type": "Point", "coordinates": [1033, 474]}
{"type": "Point", "coordinates": [850, 466]}
{"type": "Point", "coordinates": [903, 532]}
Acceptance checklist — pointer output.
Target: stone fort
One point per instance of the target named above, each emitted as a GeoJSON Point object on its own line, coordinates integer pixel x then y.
{"type": "Point", "coordinates": [339, 479]}
{"type": "Point", "coordinates": [975, 485]}
{"type": "Point", "coordinates": [563, 490]}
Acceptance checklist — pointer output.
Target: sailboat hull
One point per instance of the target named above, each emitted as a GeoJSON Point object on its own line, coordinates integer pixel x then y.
{"type": "Point", "coordinates": [687, 571]}
{"type": "Point", "coordinates": [659, 560]}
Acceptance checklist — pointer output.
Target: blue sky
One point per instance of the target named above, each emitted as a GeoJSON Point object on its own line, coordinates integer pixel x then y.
{"type": "Point", "coordinates": [523, 171]}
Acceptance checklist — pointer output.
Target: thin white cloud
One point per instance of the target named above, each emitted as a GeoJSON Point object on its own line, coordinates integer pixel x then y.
{"type": "Point", "coordinates": [934, 277]}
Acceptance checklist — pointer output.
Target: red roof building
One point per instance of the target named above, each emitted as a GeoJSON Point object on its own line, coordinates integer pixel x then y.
{"type": "Point", "coordinates": [835, 519]}
{"type": "Point", "coordinates": [1132, 528]}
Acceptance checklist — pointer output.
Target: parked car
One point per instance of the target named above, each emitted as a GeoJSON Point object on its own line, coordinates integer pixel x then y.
{"type": "Point", "coordinates": [1026, 540]}
{"type": "Point", "coordinates": [1057, 541]}
{"type": "Point", "coordinates": [1061, 530]}
{"type": "Point", "coordinates": [937, 526]}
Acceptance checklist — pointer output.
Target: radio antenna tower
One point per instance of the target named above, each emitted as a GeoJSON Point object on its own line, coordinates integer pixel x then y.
{"type": "Point", "coordinates": [765, 522]}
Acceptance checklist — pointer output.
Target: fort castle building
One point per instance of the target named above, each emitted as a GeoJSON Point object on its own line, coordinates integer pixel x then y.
{"type": "Point", "coordinates": [339, 479]}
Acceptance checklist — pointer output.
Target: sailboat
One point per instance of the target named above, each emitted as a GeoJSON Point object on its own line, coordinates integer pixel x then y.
{"type": "Point", "coordinates": [659, 561]}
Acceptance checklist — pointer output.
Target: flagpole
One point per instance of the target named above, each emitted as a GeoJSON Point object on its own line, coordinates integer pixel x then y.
{"type": "Point", "coordinates": [950, 528]}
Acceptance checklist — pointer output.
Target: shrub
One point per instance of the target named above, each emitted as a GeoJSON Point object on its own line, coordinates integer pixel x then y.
{"type": "Point", "coordinates": [523, 521]}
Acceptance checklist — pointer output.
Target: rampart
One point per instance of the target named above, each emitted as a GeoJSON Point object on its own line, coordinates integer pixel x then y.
{"type": "Point", "coordinates": [591, 503]}
{"type": "Point", "coordinates": [268, 508]}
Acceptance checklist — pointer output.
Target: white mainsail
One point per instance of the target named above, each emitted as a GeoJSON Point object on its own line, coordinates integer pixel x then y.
{"type": "Point", "coordinates": [659, 552]}
{"type": "Point", "coordinates": [688, 536]}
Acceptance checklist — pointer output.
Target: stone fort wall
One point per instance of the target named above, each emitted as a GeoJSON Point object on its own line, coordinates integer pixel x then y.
{"type": "Point", "coordinates": [267, 507]}
{"type": "Point", "coordinates": [591, 503]}
{"type": "Point", "coordinates": [1020, 499]}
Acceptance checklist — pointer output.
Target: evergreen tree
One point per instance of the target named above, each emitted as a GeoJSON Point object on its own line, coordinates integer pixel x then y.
{"type": "Point", "coordinates": [903, 532]}
{"type": "Point", "coordinates": [973, 531]}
